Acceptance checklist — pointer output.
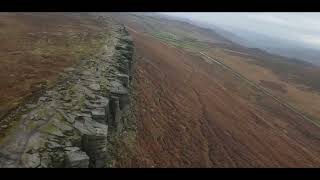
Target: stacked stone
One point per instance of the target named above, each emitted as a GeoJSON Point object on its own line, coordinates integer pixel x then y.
{"type": "Point", "coordinates": [94, 140]}
{"type": "Point", "coordinates": [125, 80]}
{"type": "Point", "coordinates": [94, 127]}
{"type": "Point", "coordinates": [114, 122]}
{"type": "Point", "coordinates": [99, 109]}
{"type": "Point", "coordinates": [123, 63]}
{"type": "Point", "coordinates": [96, 148]}
{"type": "Point", "coordinates": [76, 159]}
{"type": "Point", "coordinates": [95, 145]}
{"type": "Point", "coordinates": [101, 113]}
{"type": "Point", "coordinates": [119, 99]}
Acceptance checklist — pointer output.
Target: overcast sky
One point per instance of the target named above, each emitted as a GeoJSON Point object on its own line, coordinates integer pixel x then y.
{"type": "Point", "coordinates": [299, 27]}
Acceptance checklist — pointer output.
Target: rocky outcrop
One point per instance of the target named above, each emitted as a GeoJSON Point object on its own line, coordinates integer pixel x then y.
{"type": "Point", "coordinates": [69, 125]}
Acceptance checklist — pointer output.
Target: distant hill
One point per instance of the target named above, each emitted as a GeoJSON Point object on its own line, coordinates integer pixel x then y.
{"type": "Point", "coordinates": [251, 39]}
{"type": "Point", "coordinates": [273, 45]}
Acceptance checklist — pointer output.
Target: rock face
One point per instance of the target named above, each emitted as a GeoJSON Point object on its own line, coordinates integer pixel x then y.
{"type": "Point", "coordinates": [69, 125]}
{"type": "Point", "coordinates": [95, 87]}
{"type": "Point", "coordinates": [76, 159]}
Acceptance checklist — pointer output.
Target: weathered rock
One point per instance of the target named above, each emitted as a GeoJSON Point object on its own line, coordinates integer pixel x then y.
{"type": "Point", "coordinates": [81, 116]}
{"type": "Point", "coordinates": [31, 160]}
{"type": "Point", "coordinates": [115, 112]}
{"type": "Point", "coordinates": [124, 79]}
{"type": "Point", "coordinates": [54, 145]}
{"type": "Point", "coordinates": [95, 87]}
{"type": "Point", "coordinates": [90, 95]}
{"type": "Point", "coordinates": [43, 98]}
{"type": "Point", "coordinates": [94, 105]}
{"type": "Point", "coordinates": [72, 149]}
{"type": "Point", "coordinates": [126, 53]}
{"type": "Point", "coordinates": [85, 110]}
{"type": "Point", "coordinates": [67, 105]}
{"type": "Point", "coordinates": [96, 150]}
{"type": "Point", "coordinates": [71, 120]}
{"type": "Point", "coordinates": [100, 129]}
{"type": "Point", "coordinates": [123, 68]}
{"type": "Point", "coordinates": [50, 93]}
{"type": "Point", "coordinates": [95, 144]}
{"type": "Point", "coordinates": [68, 118]}
{"type": "Point", "coordinates": [127, 39]}
{"type": "Point", "coordinates": [77, 159]}
{"type": "Point", "coordinates": [63, 126]}
{"type": "Point", "coordinates": [67, 99]}
{"type": "Point", "coordinates": [52, 131]}
{"type": "Point", "coordinates": [85, 73]}
{"type": "Point", "coordinates": [99, 115]}
{"type": "Point", "coordinates": [82, 128]}
{"type": "Point", "coordinates": [4, 126]}
{"type": "Point", "coordinates": [118, 88]}
{"type": "Point", "coordinates": [68, 144]}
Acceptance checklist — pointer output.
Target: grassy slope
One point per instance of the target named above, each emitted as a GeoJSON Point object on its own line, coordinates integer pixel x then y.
{"type": "Point", "coordinates": [35, 47]}
{"type": "Point", "coordinates": [175, 33]}
{"type": "Point", "coordinates": [299, 80]}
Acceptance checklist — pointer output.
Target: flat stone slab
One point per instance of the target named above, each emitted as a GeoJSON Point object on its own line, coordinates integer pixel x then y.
{"type": "Point", "coordinates": [77, 159]}
{"type": "Point", "coordinates": [90, 95]}
{"type": "Point", "coordinates": [32, 160]}
{"type": "Point", "coordinates": [62, 126]}
{"type": "Point", "coordinates": [118, 88]}
{"type": "Point", "coordinates": [81, 116]}
{"type": "Point", "coordinates": [98, 114]}
{"type": "Point", "coordinates": [124, 79]}
{"type": "Point", "coordinates": [94, 105]}
{"type": "Point", "coordinates": [72, 149]}
{"type": "Point", "coordinates": [82, 128]}
{"type": "Point", "coordinates": [85, 72]}
{"type": "Point", "coordinates": [95, 87]}
{"type": "Point", "coordinates": [43, 98]}
{"type": "Point", "coordinates": [68, 118]}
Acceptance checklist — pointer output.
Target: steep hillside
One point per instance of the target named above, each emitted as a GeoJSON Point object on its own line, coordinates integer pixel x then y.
{"type": "Point", "coordinates": [193, 111]}
{"type": "Point", "coordinates": [190, 116]}
{"type": "Point", "coordinates": [299, 77]}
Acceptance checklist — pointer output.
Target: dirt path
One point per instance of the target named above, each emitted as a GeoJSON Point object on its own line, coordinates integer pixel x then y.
{"type": "Point", "coordinates": [187, 117]}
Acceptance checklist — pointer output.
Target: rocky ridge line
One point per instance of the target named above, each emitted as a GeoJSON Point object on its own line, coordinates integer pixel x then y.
{"type": "Point", "coordinates": [68, 125]}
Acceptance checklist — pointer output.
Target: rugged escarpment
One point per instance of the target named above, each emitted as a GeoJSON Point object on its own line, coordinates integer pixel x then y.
{"type": "Point", "coordinates": [71, 124]}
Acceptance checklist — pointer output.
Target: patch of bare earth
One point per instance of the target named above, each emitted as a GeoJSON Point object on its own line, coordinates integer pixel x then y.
{"type": "Point", "coordinates": [194, 114]}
